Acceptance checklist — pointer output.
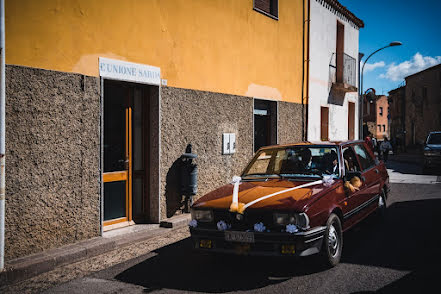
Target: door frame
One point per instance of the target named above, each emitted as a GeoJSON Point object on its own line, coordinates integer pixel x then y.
{"type": "Point", "coordinates": [154, 172]}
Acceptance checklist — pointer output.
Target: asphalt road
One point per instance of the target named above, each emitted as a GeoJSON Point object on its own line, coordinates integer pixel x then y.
{"type": "Point", "coordinates": [400, 254]}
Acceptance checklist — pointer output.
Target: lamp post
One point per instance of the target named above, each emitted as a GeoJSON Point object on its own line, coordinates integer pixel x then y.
{"type": "Point", "coordinates": [395, 43]}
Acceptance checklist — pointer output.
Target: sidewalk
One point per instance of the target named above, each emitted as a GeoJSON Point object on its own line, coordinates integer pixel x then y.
{"type": "Point", "coordinates": [414, 156]}
{"type": "Point", "coordinates": [29, 266]}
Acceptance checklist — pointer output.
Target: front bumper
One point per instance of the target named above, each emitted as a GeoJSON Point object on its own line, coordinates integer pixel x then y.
{"type": "Point", "coordinates": [432, 161]}
{"type": "Point", "coordinates": [265, 243]}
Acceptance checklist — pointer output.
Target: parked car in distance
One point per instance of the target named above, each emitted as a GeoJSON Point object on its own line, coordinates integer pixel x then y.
{"type": "Point", "coordinates": [432, 150]}
{"type": "Point", "coordinates": [293, 200]}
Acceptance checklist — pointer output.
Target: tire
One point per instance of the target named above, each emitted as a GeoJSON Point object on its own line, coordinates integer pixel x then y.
{"type": "Point", "coordinates": [332, 241]}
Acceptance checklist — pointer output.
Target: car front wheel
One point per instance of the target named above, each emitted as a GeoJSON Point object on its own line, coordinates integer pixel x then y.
{"type": "Point", "coordinates": [332, 241]}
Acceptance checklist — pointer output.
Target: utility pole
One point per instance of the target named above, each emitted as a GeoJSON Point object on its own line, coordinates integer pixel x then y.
{"type": "Point", "coordinates": [2, 134]}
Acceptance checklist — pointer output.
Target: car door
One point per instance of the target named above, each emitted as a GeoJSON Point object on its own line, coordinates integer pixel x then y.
{"type": "Point", "coordinates": [353, 200]}
{"type": "Point", "coordinates": [371, 178]}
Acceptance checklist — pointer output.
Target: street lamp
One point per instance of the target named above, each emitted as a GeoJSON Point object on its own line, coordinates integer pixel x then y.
{"type": "Point", "coordinates": [392, 44]}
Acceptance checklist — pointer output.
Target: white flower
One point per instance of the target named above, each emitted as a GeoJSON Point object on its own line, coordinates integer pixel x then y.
{"type": "Point", "coordinates": [222, 226]}
{"type": "Point", "coordinates": [291, 228]}
{"type": "Point", "coordinates": [259, 227]}
{"type": "Point", "coordinates": [193, 223]}
{"type": "Point", "coordinates": [327, 180]}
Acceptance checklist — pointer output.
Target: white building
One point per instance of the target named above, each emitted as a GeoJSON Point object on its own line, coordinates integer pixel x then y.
{"type": "Point", "coordinates": [333, 78]}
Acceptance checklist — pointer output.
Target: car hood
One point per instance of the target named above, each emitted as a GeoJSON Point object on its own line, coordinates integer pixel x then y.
{"type": "Point", "coordinates": [434, 146]}
{"type": "Point", "coordinates": [221, 198]}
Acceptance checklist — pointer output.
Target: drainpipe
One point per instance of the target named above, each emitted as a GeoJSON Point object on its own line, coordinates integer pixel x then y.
{"type": "Point", "coordinates": [305, 70]}
{"type": "Point", "coordinates": [303, 74]}
{"type": "Point", "coordinates": [2, 134]}
{"type": "Point", "coordinates": [308, 33]}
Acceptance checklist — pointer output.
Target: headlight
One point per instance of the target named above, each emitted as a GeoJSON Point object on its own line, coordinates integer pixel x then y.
{"type": "Point", "coordinates": [200, 215]}
{"type": "Point", "coordinates": [301, 220]}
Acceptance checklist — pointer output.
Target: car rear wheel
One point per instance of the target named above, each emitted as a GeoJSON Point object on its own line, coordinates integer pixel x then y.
{"type": "Point", "coordinates": [382, 204]}
{"type": "Point", "coordinates": [333, 241]}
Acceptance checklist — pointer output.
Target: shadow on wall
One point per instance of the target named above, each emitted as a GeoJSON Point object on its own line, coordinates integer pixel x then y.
{"type": "Point", "coordinates": [173, 195]}
{"type": "Point", "coordinates": [336, 97]}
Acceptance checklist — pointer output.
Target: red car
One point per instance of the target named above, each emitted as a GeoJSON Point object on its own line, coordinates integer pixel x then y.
{"type": "Point", "coordinates": [295, 199]}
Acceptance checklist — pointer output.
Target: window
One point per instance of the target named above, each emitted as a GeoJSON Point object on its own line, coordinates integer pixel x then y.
{"type": "Point", "coordinates": [350, 160]}
{"type": "Point", "coordinates": [381, 111]}
{"type": "Point", "coordinates": [384, 128]}
{"type": "Point", "coordinates": [268, 7]}
{"type": "Point", "coordinates": [379, 128]}
{"type": "Point", "coordinates": [365, 158]}
{"type": "Point", "coordinates": [340, 45]}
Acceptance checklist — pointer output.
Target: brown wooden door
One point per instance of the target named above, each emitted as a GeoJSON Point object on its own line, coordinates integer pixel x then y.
{"type": "Point", "coordinates": [324, 123]}
{"type": "Point", "coordinates": [117, 174]}
{"type": "Point", "coordinates": [351, 120]}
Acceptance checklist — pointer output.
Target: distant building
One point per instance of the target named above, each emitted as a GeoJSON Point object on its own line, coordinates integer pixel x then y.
{"type": "Point", "coordinates": [333, 55]}
{"type": "Point", "coordinates": [416, 107]}
{"type": "Point", "coordinates": [382, 124]}
{"type": "Point", "coordinates": [397, 109]}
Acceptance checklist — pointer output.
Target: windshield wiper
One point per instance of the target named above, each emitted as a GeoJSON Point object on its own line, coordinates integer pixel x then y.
{"type": "Point", "coordinates": [257, 175]}
{"type": "Point", "coordinates": [313, 172]}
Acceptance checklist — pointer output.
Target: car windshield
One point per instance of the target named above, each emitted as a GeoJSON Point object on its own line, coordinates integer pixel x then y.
{"type": "Point", "coordinates": [434, 138]}
{"type": "Point", "coordinates": [296, 161]}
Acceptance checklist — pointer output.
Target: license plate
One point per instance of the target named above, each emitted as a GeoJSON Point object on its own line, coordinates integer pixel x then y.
{"type": "Point", "coordinates": [243, 237]}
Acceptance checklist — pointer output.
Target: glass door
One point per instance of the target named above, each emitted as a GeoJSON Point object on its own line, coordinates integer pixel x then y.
{"type": "Point", "coordinates": [117, 175]}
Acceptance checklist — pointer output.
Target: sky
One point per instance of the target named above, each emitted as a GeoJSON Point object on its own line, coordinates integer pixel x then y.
{"type": "Point", "coordinates": [417, 24]}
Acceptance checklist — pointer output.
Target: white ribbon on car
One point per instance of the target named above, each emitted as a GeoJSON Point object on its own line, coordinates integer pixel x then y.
{"type": "Point", "coordinates": [240, 207]}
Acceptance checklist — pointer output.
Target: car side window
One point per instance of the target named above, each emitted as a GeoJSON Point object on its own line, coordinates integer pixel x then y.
{"type": "Point", "coordinates": [350, 161]}
{"type": "Point", "coordinates": [365, 158]}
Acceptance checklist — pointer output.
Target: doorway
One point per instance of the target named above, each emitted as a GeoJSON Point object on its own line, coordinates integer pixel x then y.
{"type": "Point", "coordinates": [324, 123]}
{"type": "Point", "coordinates": [351, 120]}
{"type": "Point", "coordinates": [265, 123]}
{"type": "Point", "coordinates": [125, 152]}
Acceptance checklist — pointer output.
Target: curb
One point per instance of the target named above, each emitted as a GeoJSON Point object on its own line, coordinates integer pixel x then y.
{"type": "Point", "coordinates": [29, 266]}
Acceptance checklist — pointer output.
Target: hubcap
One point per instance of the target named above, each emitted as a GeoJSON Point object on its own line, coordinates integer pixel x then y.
{"type": "Point", "coordinates": [333, 241]}
{"type": "Point", "coordinates": [381, 202]}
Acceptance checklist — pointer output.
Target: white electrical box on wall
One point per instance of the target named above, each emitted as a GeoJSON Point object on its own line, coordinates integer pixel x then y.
{"type": "Point", "coordinates": [225, 143]}
{"type": "Point", "coordinates": [232, 143]}
{"type": "Point", "coordinates": [228, 143]}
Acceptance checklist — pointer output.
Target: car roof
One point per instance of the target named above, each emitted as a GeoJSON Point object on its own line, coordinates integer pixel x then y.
{"type": "Point", "coordinates": [306, 143]}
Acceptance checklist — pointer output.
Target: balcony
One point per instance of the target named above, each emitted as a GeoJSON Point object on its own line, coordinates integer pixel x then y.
{"type": "Point", "coordinates": [342, 73]}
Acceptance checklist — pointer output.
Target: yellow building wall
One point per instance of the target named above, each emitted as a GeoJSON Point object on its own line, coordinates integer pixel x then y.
{"type": "Point", "coordinates": [213, 45]}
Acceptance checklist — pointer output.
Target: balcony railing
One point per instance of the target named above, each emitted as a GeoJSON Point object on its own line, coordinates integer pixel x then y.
{"type": "Point", "coordinates": [348, 74]}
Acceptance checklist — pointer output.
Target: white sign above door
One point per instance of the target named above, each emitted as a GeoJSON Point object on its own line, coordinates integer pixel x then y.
{"type": "Point", "coordinates": [129, 71]}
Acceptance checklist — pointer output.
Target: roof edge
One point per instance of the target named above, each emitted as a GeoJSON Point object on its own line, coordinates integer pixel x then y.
{"type": "Point", "coordinates": [343, 10]}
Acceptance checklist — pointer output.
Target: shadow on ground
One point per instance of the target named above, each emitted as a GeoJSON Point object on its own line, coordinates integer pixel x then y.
{"type": "Point", "coordinates": [177, 266]}
{"type": "Point", "coordinates": [407, 239]}
{"type": "Point", "coordinates": [412, 168]}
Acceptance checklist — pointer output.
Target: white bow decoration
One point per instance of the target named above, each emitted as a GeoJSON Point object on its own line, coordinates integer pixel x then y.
{"type": "Point", "coordinates": [240, 207]}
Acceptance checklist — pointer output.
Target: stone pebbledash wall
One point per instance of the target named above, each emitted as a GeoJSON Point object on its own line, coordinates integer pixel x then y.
{"type": "Point", "coordinates": [290, 123]}
{"type": "Point", "coordinates": [200, 118]}
{"type": "Point", "coordinates": [52, 159]}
